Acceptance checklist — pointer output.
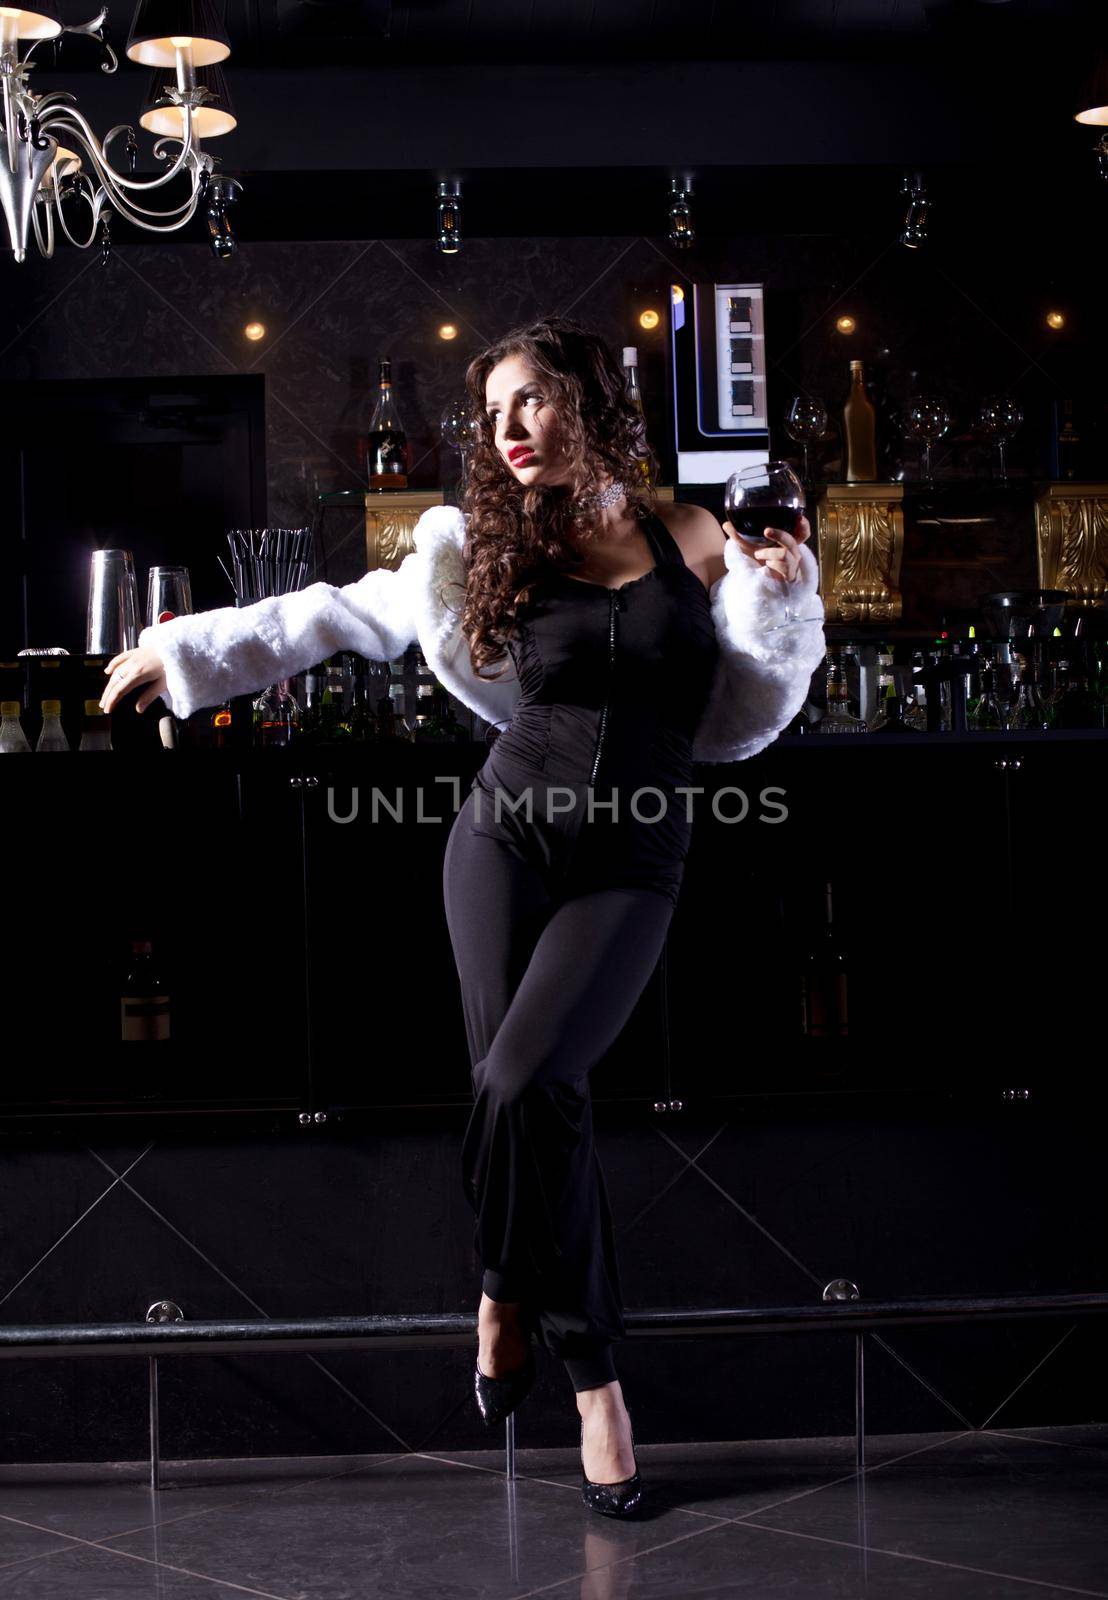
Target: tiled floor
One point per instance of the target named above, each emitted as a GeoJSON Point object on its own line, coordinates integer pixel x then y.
{"type": "Point", "coordinates": [1002, 1514]}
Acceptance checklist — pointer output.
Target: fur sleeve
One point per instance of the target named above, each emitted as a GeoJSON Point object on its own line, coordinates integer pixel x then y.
{"type": "Point", "coordinates": [763, 677]}
{"type": "Point", "coordinates": [213, 655]}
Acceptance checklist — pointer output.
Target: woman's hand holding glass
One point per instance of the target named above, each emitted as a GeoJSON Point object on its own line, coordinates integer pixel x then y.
{"type": "Point", "coordinates": [128, 670]}
{"type": "Point", "coordinates": [782, 555]}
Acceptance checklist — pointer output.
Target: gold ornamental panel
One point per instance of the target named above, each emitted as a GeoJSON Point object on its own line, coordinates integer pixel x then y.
{"type": "Point", "coordinates": [1071, 525]}
{"type": "Point", "coordinates": [861, 545]}
{"type": "Point", "coordinates": [390, 519]}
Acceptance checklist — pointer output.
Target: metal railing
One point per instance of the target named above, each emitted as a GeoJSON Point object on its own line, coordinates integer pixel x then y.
{"type": "Point", "coordinates": [166, 1332]}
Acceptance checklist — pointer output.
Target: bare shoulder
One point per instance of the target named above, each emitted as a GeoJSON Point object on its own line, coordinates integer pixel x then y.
{"type": "Point", "coordinates": [699, 537]}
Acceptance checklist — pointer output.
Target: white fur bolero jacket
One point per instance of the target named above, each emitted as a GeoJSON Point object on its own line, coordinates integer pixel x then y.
{"type": "Point", "coordinates": [761, 681]}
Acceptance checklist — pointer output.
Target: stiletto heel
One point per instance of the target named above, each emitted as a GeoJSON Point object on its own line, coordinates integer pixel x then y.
{"type": "Point", "coordinates": [623, 1499]}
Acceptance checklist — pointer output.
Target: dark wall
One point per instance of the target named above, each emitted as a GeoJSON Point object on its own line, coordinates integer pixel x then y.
{"type": "Point", "coordinates": [964, 317]}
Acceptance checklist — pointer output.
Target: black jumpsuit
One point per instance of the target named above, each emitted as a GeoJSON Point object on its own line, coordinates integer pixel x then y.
{"type": "Point", "coordinates": [557, 919]}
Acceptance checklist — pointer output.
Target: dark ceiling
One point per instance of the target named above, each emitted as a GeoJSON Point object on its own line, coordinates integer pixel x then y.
{"type": "Point", "coordinates": [380, 32]}
{"type": "Point", "coordinates": [376, 31]}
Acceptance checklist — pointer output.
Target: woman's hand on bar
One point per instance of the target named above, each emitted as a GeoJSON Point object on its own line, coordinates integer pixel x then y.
{"type": "Point", "coordinates": [782, 557]}
{"type": "Point", "coordinates": [129, 669]}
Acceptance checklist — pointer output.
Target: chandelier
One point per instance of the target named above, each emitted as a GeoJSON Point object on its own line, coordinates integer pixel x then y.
{"type": "Point", "coordinates": [57, 177]}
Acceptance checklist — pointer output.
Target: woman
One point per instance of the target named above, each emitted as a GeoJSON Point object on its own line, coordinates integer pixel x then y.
{"type": "Point", "coordinates": [561, 869]}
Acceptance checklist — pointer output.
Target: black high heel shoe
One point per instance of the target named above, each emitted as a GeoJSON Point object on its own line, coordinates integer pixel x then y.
{"type": "Point", "coordinates": [497, 1398]}
{"type": "Point", "coordinates": [622, 1499]}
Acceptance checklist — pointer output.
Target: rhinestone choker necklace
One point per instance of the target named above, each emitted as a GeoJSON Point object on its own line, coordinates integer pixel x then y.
{"type": "Point", "coordinates": [607, 497]}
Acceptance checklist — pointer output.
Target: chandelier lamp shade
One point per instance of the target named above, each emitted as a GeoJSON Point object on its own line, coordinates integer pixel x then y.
{"type": "Point", "coordinates": [161, 27]}
{"type": "Point", "coordinates": [57, 178]}
{"type": "Point", "coordinates": [211, 119]}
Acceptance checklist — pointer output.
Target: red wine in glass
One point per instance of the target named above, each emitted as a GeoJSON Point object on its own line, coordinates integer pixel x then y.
{"type": "Point", "coordinates": [750, 521]}
{"type": "Point", "coordinates": [769, 495]}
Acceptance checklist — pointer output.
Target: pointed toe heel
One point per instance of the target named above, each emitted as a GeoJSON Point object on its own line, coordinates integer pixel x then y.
{"type": "Point", "coordinates": [497, 1398]}
{"type": "Point", "coordinates": [623, 1499]}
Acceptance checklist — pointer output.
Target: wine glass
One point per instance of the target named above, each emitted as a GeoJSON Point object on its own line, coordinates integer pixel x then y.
{"type": "Point", "coordinates": [767, 496]}
{"type": "Point", "coordinates": [805, 420]}
{"type": "Point", "coordinates": [925, 417]}
{"type": "Point", "coordinates": [998, 419]}
{"type": "Point", "coordinates": [458, 427]}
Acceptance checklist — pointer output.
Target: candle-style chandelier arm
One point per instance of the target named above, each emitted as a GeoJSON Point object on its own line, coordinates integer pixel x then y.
{"type": "Point", "coordinates": [64, 122]}
{"type": "Point", "coordinates": [94, 27]}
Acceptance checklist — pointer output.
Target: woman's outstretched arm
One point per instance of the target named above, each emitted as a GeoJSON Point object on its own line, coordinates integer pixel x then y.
{"type": "Point", "coordinates": [204, 659]}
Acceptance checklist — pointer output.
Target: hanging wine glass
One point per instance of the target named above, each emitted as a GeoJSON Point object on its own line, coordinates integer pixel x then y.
{"type": "Point", "coordinates": [998, 420]}
{"type": "Point", "coordinates": [458, 427]}
{"type": "Point", "coordinates": [805, 420]}
{"type": "Point", "coordinates": [926, 418]}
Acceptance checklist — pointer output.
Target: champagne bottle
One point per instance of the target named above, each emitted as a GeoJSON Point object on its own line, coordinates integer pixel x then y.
{"type": "Point", "coordinates": [634, 393]}
{"type": "Point", "coordinates": [859, 432]}
{"type": "Point", "coordinates": [360, 719]}
{"type": "Point", "coordinates": [824, 988]}
{"type": "Point", "coordinates": [387, 447]}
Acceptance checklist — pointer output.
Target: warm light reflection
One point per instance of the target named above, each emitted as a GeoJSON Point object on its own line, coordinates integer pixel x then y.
{"type": "Point", "coordinates": [678, 293]}
{"type": "Point", "coordinates": [255, 330]}
{"type": "Point", "coordinates": [846, 324]}
{"type": "Point", "coordinates": [1055, 319]}
{"type": "Point", "coordinates": [448, 331]}
{"type": "Point", "coordinates": [649, 319]}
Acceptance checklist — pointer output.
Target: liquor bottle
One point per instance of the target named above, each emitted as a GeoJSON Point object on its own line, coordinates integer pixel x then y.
{"type": "Point", "coordinates": [360, 720]}
{"type": "Point", "coordinates": [143, 997]}
{"type": "Point", "coordinates": [310, 720]}
{"type": "Point", "coordinates": [884, 685]}
{"type": "Point", "coordinates": [1028, 711]}
{"type": "Point", "coordinates": [915, 710]}
{"type": "Point", "coordinates": [333, 703]}
{"type": "Point", "coordinates": [859, 431]}
{"type": "Point", "coordinates": [387, 444]}
{"type": "Point", "coordinates": [838, 718]}
{"type": "Point", "coordinates": [890, 719]}
{"type": "Point", "coordinates": [13, 740]}
{"type": "Point", "coordinates": [96, 733]}
{"type": "Point", "coordinates": [1075, 706]}
{"type": "Point", "coordinates": [634, 393]}
{"type": "Point", "coordinates": [987, 713]}
{"type": "Point", "coordinates": [1065, 441]}
{"type": "Point", "coordinates": [276, 716]}
{"type": "Point", "coordinates": [52, 736]}
{"type": "Point", "coordinates": [824, 1003]}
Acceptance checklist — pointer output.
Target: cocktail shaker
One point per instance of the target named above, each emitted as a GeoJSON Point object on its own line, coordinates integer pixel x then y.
{"type": "Point", "coordinates": [113, 606]}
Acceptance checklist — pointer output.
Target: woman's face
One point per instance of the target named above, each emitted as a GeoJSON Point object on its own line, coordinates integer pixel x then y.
{"type": "Point", "coordinates": [526, 433]}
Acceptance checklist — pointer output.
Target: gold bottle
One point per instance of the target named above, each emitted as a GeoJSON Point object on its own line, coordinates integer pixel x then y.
{"type": "Point", "coordinates": [859, 434]}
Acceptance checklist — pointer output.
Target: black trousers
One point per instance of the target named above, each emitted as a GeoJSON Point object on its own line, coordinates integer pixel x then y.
{"type": "Point", "coordinates": [547, 984]}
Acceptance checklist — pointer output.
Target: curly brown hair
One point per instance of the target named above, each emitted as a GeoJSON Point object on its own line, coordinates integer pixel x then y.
{"type": "Point", "coordinates": [516, 533]}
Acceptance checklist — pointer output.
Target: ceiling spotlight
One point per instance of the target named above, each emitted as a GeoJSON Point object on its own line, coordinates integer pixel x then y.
{"type": "Point", "coordinates": [914, 232]}
{"type": "Point", "coordinates": [448, 331]}
{"type": "Point", "coordinates": [450, 217]}
{"type": "Point", "coordinates": [254, 331]}
{"type": "Point", "coordinates": [681, 231]}
{"type": "Point", "coordinates": [846, 324]}
{"type": "Point", "coordinates": [649, 320]}
{"type": "Point", "coordinates": [1055, 319]}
